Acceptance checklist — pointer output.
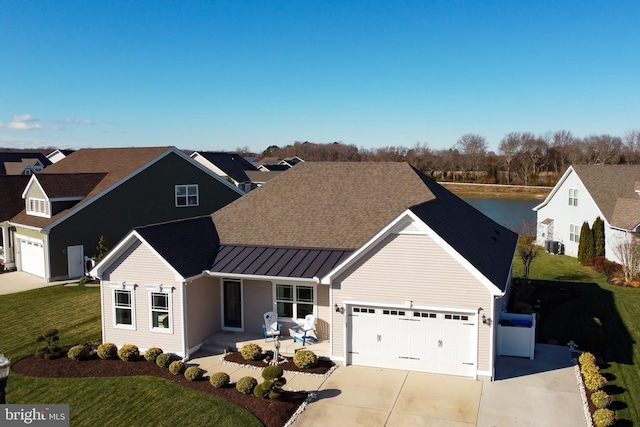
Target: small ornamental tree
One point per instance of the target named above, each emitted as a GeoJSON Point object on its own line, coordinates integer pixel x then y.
{"type": "Point", "coordinates": [527, 249]}
{"type": "Point", "coordinates": [50, 338]}
{"type": "Point", "coordinates": [102, 248]}
{"type": "Point", "coordinates": [598, 237]}
{"type": "Point", "coordinates": [586, 248]}
{"type": "Point", "coordinates": [627, 249]}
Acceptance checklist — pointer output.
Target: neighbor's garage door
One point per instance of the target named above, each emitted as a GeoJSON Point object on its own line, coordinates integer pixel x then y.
{"type": "Point", "coordinates": [428, 341]}
{"type": "Point", "coordinates": [32, 257]}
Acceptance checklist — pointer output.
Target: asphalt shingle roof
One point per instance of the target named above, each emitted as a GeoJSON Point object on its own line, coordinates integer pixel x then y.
{"type": "Point", "coordinates": [11, 188]}
{"type": "Point", "coordinates": [612, 188]}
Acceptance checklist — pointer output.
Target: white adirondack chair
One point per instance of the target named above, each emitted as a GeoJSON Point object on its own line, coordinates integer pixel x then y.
{"type": "Point", "coordinates": [271, 328]}
{"type": "Point", "coordinates": [306, 331]}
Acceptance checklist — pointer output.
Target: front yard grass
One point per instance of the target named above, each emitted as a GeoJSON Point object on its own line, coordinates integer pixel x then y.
{"type": "Point", "coordinates": [75, 312]}
{"type": "Point", "coordinates": [617, 308]}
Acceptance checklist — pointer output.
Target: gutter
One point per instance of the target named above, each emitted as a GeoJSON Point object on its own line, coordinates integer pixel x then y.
{"type": "Point", "coordinates": [259, 277]}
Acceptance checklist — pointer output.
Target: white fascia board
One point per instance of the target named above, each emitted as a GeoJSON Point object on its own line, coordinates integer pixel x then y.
{"type": "Point", "coordinates": [555, 189]}
{"type": "Point", "coordinates": [28, 227]}
{"type": "Point", "coordinates": [258, 277]}
{"type": "Point", "coordinates": [28, 186]}
{"type": "Point", "coordinates": [121, 247]}
{"type": "Point", "coordinates": [408, 215]}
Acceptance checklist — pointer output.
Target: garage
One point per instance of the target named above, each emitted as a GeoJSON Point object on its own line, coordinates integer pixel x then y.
{"type": "Point", "coordinates": [435, 341]}
{"type": "Point", "coordinates": [32, 257]}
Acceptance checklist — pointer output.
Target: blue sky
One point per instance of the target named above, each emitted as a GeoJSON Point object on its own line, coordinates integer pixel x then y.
{"type": "Point", "coordinates": [220, 75]}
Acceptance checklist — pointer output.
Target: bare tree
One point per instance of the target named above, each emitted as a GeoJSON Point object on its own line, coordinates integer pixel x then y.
{"type": "Point", "coordinates": [631, 147]}
{"type": "Point", "coordinates": [509, 146]}
{"type": "Point", "coordinates": [473, 148]}
{"type": "Point", "coordinates": [627, 249]}
{"type": "Point", "coordinates": [603, 149]}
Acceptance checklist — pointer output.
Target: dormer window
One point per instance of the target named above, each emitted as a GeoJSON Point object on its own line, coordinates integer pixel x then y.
{"type": "Point", "coordinates": [38, 207]}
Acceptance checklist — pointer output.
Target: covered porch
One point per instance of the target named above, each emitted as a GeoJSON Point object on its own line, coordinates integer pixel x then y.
{"type": "Point", "coordinates": [223, 340]}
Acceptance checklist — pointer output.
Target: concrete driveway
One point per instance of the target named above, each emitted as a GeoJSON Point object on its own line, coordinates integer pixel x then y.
{"type": "Point", "coordinates": [18, 281]}
{"type": "Point", "coordinates": [543, 392]}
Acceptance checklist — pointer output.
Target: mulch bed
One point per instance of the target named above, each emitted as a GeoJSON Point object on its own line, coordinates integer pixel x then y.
{"type": "Point", "coordinates": [324, 365]}
{"type": "Point", "coordinates": [272, 413]}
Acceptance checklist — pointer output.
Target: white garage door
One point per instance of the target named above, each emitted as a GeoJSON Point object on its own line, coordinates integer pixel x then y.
{"type": "Point", "coordinates": [32, 257]}
{"type": "Point", "coordinates": [427, 341]}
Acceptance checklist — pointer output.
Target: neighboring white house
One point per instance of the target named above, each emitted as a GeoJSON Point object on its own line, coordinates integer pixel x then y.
{"type": "Point", "coordinates": [583, 193]}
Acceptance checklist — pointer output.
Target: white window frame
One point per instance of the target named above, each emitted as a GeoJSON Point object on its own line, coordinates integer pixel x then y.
{"type": "Point", "coordinates": [294, 301]}
{"type": "Point", "coordinates": [573, 197]}
{"type": "Point", "coordinates": [37, 207]}
{"type": "Point", "coordinates": [186, 196]}
{"type": "Point", "coordinates": [165, 291]}
{"type": "Point", "coordinates": [132, 292]}
{"type": "Point", "coordinates": [574, 232]}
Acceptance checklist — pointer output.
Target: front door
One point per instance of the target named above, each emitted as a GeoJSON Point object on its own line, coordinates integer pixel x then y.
{"type": "Point", "coordinates": [232, 304]}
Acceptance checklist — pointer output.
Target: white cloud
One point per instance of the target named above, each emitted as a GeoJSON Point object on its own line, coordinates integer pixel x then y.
{"type": "Point", "coordinates": [79, 122]}
{"type": "Point", "coordinates": [22, 122]}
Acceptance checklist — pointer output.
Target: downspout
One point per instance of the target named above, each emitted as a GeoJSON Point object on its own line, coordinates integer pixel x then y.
{"type": "Point", "coordinates": [47, 258]}
{"type": "Point", "coordinates": [185, 339]}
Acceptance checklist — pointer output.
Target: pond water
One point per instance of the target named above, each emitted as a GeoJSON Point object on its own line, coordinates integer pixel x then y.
{"type": "Point", "coordinates": [510, 213]}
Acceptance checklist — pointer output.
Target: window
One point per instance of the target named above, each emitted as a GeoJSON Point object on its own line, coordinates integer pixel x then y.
{"type": "Point", "coordinates": [160, 311]}
{"type": "Point", "coordinates": [187, 195]}
{"type": "Point", "coordinates": [123, 308]}
{"type": "Point", "coordinates": [37, 206]}
{"type": "Point", "coordinates": [574, 233]}
{"type": "Point", "coordinates": [573, 197]}
{"type": "Point", "coordinates": [294, 301]}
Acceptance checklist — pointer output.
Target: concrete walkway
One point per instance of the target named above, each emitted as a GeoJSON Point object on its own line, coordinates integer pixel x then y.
{"type": "Point", "coordinates": [19, 281]}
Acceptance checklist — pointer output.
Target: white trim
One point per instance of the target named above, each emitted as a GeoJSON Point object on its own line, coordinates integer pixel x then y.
{"type": "Point", "coordinates": [183, 306]}
{"type": "Point", "coordinates": [131, 288]}
{"type": "Point", "coordinates": [28, 186]}
{"type": "Point", "coordinates": [121, 247]}
{"type": "Point", "coordinates": [166, 290]}
{"type": "Point", "coordinates": [556, 188]}
{"type": "Point", "coordinates": [194, 349]}
{"type": "Point", "coordinates": [37, 200]}
{"type": "Point", "coordinates": [297, 320]}
{"type": "Point", "coordinates": [400, 223]}
{"type": "Point", "coordinates": [259, 277]}
{"type": "Point", "coordinates": [186, 195]}
{"type": "Point", "coordinates": [222, 326]}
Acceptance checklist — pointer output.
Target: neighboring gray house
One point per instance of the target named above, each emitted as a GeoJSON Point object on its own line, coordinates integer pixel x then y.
{"type": "Point", "coordinates": [399, 272]}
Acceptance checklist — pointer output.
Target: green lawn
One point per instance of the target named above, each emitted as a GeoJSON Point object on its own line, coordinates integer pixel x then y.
{"type": "Point", "coordinates": [75, 312]}
{"type": "Point", "coordinates": [616, 307]}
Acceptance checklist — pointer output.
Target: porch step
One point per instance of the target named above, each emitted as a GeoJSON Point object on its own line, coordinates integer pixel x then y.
{"type": "Point", "coordinates": [214, 349]}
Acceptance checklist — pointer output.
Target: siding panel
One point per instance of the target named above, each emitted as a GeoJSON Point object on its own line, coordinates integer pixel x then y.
{"type": "Point", "coordinates": [138, 263]}
{"type": "Point", "coordinates": [411, 267]}
{"type": "Point", "coordinates": [203, 309]}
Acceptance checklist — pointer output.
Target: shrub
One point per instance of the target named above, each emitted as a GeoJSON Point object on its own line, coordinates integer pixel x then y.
{"type": "Point", "coordinates": [272, 372]}
{"type": "Point", "coordinates": [262, 389]}
{"type": "Point", "coordinates": [245, 385]}
{"type": "Point", "coordinates": [594, 382]}
{"type": "Point", "coordinates": [107, 350]}
{"type": "Point", "coordinates": [604, 417]}
{"type": "Point", "coordinates": [251, 351]}
{"type": "Point", "coordinates": [152, 354]}
{"type": "Point", "coordinates": [128, 352]}
{"type": "Point", "coordinates": [193, 373]}
{"type": "Point", "coordinates": [49, 337]}
{"type": "Point", "coordinates": [165, 359]}
{"type": "Point", "coordinates": [219, 379]}
{"type": "Point", "coordinates": [587, 358]}
{"type": "Point", "coordinates": [78, 352]}
{"type": "Point", "coordinates": [600, 399]}
{"type": "Point", "coordinates": [177, 367]}
{"type": "Point", "coordinates": [589, 368]}
{"type": "Point", "coordinates": [304, 359]}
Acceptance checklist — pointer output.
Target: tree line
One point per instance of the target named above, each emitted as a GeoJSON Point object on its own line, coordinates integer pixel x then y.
{"type": "Point", "coordinates": [523, 158]}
